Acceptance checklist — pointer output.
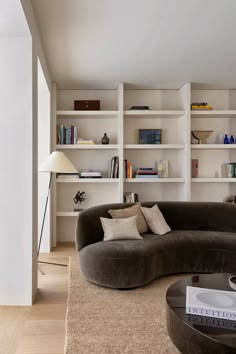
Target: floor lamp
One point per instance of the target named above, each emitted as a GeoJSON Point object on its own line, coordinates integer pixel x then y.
{"type": "Point", "coordinates": [57, 162]}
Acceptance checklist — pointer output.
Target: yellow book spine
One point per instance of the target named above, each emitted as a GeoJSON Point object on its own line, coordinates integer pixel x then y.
{"type": "Point", "coordinates": [208, 107]}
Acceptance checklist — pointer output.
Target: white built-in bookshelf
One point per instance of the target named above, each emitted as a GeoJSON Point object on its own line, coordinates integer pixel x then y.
{"type": "Point", "coordinates": [170, 112]}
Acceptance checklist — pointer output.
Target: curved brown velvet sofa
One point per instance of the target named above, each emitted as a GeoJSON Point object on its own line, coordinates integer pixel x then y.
{"type": "Point", "coordinates": [202, 240]}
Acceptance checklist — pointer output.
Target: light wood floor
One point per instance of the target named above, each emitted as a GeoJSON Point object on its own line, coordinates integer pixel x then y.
{"type": "Point", "coordinates": [40, 329]}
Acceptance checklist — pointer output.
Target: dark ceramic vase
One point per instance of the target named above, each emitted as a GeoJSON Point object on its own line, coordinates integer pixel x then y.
{"type": "Point", "coordinates": [105, 139]}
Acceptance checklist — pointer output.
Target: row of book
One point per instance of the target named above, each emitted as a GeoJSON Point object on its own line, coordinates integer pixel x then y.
{"type": "Point", "coordinates": [131, 197]}
{"type": "Point", "coordinates": [201, 106]}
{"type": "Point", "coordinates": [231, 170]}
{"type": "Point", "coordinates": [66, 135]}
{"type": "Point", "coordinates": [128, 169]}
{"type": "Point", "coordinates": [113, 170]}
{"type": "Point", "coordinates": [162, 170]}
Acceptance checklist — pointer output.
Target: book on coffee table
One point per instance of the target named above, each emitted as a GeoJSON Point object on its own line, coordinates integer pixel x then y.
{"type": "Point", "coordinates": [211, 303]}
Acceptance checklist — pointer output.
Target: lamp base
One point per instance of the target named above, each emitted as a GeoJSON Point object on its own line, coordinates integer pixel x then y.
{"type": "Point", "coordinates": [58, 264]}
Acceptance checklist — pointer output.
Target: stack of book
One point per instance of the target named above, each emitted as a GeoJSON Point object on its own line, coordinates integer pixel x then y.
{"type": "Point", "coordinates": [66, 135]}
{"type": "Point", "coordinates": [128, 169]}
{"type": "Point", "coordinates": [82, 141]}
{"type": "Point", "coordinates": [201, 106]}
{"type": "Point", "coordinates": [67, 175]}
{"type": "Point", "coordinates": [130, 197]}
{"type": "Point", "coordinates": [146, 172]}
{"type": "Point", "coordinates": [163, 168]}
{"type": "Point", "coordinates": [113, 170]}
{"type": "Point", "coordinates": [90, 174]}
{"type": "Point", "coordinates": [231, 170]}
{"type": "Point", "coordinates": [136, 108]}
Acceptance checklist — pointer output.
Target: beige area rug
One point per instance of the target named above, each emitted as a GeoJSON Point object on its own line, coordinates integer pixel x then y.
{"type": "Point", "coordinates": [102, 320]}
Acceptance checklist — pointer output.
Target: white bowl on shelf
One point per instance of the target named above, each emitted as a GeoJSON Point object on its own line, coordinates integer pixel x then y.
{"type": "Point", "coordinates": [202, 135]}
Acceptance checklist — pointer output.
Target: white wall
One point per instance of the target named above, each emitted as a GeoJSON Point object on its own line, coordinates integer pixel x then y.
{"type": "Point", "coordinates": [16, 181]}
{"type": "Point", "coordinates": [44, 132]}
{"type": "Point", "coordinates": [29, 14]}
{"type": "Point", "coordinates": [38, 52]}
{"type": "Point", "coordinates": [20, 47]}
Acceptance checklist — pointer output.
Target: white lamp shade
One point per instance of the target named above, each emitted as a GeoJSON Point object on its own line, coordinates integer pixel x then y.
{"type": "Point", "coordinates": [57, 162]}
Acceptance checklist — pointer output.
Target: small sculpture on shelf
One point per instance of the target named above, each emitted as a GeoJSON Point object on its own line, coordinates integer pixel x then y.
{"type": "Point", "coordinates": [226, 139]}
{"type": "Point", "coordinates": [105, 139]}
{"type": "Point", "coordinates": [231, 139]}
{"type": "Point", "coordinates": [79, 198]}
{"type": "Point", "coordinates": [231, 199]}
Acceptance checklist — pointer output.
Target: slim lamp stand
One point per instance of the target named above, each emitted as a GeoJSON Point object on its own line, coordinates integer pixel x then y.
{"type": "Point", "coordinates": [41, 233]}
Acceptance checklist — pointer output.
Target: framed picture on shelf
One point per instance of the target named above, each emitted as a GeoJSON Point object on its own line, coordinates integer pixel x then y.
{"type": "Point", "coordinates": [149, 136]}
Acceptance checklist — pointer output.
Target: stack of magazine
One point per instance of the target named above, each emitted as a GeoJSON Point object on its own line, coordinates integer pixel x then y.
{"type": "Point", "coordinates": [90, 174]}
{"type": "Point", "coordinates": [67, 175]}
{"type": "Point", "coordinates": [146, 172]}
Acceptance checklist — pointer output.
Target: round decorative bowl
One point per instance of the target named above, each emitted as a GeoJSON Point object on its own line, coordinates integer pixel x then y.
{"type": "Point", "coordinates": [202, 135]}
{"type": "Point", "coordinates": [232, 281]}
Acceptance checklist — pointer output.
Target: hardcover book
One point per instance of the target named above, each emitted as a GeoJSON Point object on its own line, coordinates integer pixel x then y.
{"type": "Point", "coordinates": [194, 168]}
{"type": "Point", "coordinates": [163, 168]}
{"type": "Point", "coordinates": [211, 303]}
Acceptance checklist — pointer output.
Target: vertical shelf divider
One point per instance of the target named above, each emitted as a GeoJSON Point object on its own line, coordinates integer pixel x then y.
{"type": "Point", "coordinates": [188, 142]}
{"type": "Point", "coordinates": [186, 100]}
{"type": "Point", "coordinates": [120, 100]}
{"type": "Point", "coordinates": [53, 196]}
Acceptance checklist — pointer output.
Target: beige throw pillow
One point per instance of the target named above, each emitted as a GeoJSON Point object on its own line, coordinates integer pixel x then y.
{"type": "Point", "coordinates": [120, 229]}
{"type": "Point", "coordinates": [156, 220]}
{"type": "Point", "coordinates": [131, 211]}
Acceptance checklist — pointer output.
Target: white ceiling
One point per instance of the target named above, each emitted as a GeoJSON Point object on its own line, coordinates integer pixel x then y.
{"type": "Point", "coordinates": [12, 19]}
{"type": "Point", "coordinates": [145, 43]}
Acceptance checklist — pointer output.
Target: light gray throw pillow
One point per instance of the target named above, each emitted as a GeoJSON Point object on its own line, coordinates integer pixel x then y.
{"type": "Point", "coordinates": [156, 220]}
{"type": "Point", "coordinates": [120, 229]}
{"type": "Point", "coordinates": [131, 211]}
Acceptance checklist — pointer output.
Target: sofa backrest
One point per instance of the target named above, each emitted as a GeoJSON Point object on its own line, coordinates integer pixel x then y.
{"type": "Point", "coordinates": [208, 216]}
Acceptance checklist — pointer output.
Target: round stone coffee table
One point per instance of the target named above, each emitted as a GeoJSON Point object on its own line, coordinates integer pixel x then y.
{"type": "Point", "coordinates": [197, 334]}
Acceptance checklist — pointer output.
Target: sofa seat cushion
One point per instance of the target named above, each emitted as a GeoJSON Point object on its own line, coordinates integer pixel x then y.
{"type": "Point", "coordinates": [152, 243]}
{"type": "Point", "coordinates": [132, 263]}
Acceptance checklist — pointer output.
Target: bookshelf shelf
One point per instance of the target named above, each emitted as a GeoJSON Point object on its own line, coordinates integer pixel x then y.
{"type": "Point", "coordinates": [214, 114]}
{"type": "Point", "coordinates": [154, 180]}
{"type": "Point", "coordinates": [154, 146]}
{"type": "Point", "coordinates": [154, 113]}
{"type": "Point", "coordinates": [213, 180]}
{"type": "Point", "coordinates": [87, 147]}
{"type": "Point", "coordinates": [86, 114]}
{"type": "Point", "coordinates": [213, 146]}
{"type": "Point", "coordinates": [67, 213]}
{"type": "Point", "coordinates": [87, 180]}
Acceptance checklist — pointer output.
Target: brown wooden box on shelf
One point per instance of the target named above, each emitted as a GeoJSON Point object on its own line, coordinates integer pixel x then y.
{"type": "Point", "coordinates": [89, 105]}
